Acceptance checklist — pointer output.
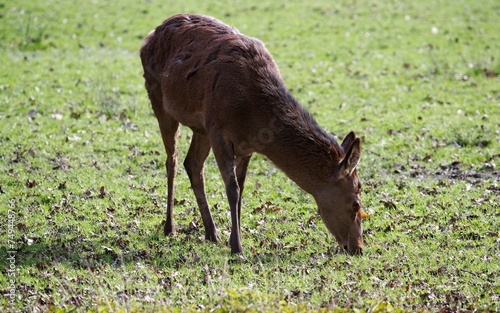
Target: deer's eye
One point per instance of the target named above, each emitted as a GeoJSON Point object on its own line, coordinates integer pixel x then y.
{"type": "Point", "coordinates": [356, 206]}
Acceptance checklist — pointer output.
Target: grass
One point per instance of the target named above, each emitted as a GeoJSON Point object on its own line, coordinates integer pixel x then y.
{"type": "Point", "coordinates": [83, 183]}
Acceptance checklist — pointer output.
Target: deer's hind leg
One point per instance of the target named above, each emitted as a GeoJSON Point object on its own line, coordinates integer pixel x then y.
{"type": "Point", "coordinates": [169, 128]}
{"type": "Point", "coordinates": [169, 133]}
{"type": "Point", "coordinates": [194, 164]}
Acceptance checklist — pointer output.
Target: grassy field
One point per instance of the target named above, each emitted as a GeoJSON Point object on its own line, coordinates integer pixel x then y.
{"type": "Point", "coordinates": [83, 188]}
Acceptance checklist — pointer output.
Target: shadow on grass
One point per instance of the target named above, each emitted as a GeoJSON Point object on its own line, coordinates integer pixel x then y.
{"type": "Point", "coordinates": [186, 249]}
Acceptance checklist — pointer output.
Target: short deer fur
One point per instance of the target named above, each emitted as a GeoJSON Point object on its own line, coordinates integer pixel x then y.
{"type": "Point", "coordinates": [227, 88]}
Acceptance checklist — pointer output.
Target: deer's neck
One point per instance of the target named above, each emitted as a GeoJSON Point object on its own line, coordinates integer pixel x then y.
{"type": "Point", "coordinates": [298, 146]}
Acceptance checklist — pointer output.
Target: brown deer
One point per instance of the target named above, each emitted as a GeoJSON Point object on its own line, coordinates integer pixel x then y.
{"type": "Point", "coordinates": [227, 88]}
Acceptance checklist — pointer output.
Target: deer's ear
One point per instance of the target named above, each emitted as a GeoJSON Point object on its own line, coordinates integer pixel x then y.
{"type": "Point", "coordinates": [351, 159]}
{"type": "Point", "coordinates": [348, 140]}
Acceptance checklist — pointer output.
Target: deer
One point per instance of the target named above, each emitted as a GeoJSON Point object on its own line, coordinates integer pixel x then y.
{"type": "Point", "coordinates": [226, 87]}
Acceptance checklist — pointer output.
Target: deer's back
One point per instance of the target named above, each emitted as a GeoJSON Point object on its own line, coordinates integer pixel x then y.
{"type": "Point", "coordinates": [209, 73]}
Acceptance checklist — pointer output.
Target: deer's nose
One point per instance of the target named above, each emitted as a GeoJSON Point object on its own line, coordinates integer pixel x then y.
{"type": "Point", "coordinates": [354, 250]}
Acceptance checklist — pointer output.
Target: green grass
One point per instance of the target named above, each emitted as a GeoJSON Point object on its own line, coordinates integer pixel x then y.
{"type": "Point", "coordinates": [83, 187]}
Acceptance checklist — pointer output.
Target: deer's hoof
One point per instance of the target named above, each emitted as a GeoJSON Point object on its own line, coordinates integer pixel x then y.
{"type": "Point", "coordinates": [169, 229]}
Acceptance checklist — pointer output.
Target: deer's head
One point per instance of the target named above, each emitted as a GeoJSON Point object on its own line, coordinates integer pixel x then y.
{"type": "Point", "coordinates": [339, 202]}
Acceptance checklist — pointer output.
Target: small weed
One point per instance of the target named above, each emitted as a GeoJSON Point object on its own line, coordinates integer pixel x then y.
{"type": "Point", "coordinates": [34, 30]}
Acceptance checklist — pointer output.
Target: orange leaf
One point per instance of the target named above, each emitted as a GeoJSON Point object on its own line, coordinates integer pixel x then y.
{"type": "Point", "coordinates": [364, 215]}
